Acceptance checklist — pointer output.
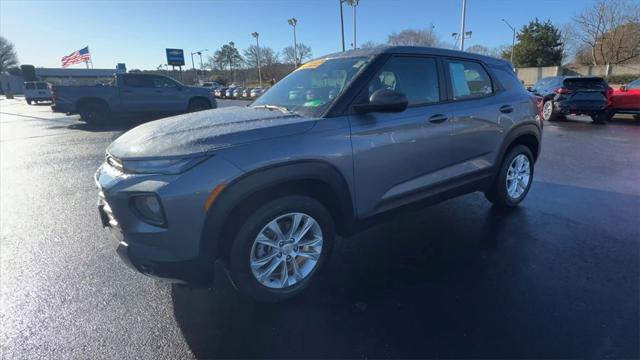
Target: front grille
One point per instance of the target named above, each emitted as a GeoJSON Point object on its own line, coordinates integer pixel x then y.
{"type": "Point", "coordinates": [106, 209]}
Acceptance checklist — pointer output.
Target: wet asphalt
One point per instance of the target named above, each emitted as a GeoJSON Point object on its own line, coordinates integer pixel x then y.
{"type": "Point", "coordinates": [558, 277]}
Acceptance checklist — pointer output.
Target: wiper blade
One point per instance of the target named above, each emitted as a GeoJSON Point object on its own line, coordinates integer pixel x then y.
{"type": "Point", "coordinates": [273, 107]}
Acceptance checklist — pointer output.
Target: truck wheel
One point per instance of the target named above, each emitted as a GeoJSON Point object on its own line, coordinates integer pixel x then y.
{"type": "Point", "coordinates": [602, 117]}
{"type": "Point", "coordinates": [280, 248]}
{"type": "Point", "coordinates": [199, 105]}
{"type": "Point", "coordinates": [514, 180]}
{"type": "Point", "coordinates": [94, 112]}
{"type": "Point", "coordinates": [28, 101]}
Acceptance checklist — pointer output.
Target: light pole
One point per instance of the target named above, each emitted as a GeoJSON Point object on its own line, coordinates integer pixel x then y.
{"type": "Point", "coordinates": [342, 24]}
{"type": "Point", "coordinates": [256, 35]}
{"type": "Point", "coordinates": [199, 52]}
{"type": "Point", "coordinates": [464, 15]}
{"type": "Point", "coordinates": [293, 23]}
{"type": "Point", "coordinates": [513, 39]}
{"type": "Point", "coordinates": [354, 3]}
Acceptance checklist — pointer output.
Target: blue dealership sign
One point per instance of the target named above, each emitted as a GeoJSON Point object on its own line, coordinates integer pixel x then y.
{"type": "Point", "coordinates": [175, 57]}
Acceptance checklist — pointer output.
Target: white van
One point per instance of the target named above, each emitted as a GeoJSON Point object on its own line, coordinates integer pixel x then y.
{"type": "Point", "coordinates": [35, 91]}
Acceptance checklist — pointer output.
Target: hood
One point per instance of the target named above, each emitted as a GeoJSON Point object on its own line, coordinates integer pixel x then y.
{"type": "Point", "coordinates": [206, 131]}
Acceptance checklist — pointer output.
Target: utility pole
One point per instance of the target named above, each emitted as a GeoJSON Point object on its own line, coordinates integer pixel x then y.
{"type": "Point", "coordinates": [256, 35]}
{"type": "Point", "coordinates": [342, 24]}
{"type": "Point", "coordinates": [199, 52]}
{"type": "Point", "coordinates": [513, 39]}
{"type": "Point", "coordinates": [464, 15]}
{"type": "Point", "coordinates": [293, 22]}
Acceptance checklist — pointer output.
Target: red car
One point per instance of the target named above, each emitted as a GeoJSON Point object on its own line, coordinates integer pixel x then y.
{"type": "Point", "coordinates": [626, 100]}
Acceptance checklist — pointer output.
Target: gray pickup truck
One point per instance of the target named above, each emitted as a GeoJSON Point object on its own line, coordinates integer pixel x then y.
{"type": "Point", "coordinates": [131, 93]}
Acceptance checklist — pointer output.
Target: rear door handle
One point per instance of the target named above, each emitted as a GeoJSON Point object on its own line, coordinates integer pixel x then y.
{"type": "Point", "coordinates": [506, 109]}
{"type": "Point", "coordinates": [438, 118]}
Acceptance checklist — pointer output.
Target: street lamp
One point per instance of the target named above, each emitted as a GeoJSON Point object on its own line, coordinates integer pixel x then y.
{"type": "Point", "coordinates": [342, 24]}
{"type": "Point", "coordinates": [513, 39]}
{"type": "Point", "coordinates": [293, 22]}
{"type": "Point", "coordinates": [354, 3]}
{"type": "Point", "coordinates": [256, 35]}
{"type": "Point", "coordinates": [464, 15]}
{"type": "Point", "coordinates": [456, 36]}
{"type": "Point", "coordinates": [199, 52]}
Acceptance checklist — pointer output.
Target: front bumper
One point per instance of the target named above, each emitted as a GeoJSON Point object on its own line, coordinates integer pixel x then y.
{"type": "Point", "coordinates": [172, 252]}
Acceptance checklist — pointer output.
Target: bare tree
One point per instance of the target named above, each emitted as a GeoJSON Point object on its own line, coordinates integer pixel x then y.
{"type": "Point", "coordinates": [370, 45]}
{"type": "Point", "coordinates": [413, 37]}
{"type": "Point", "coordinates": [303, 53]}
{"type": "Point", "coordinates": [8, 57]}
{"type": "Point", "coordinates": [611, 30]}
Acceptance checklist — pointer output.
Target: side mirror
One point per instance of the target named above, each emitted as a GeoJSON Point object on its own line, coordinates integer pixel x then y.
{"type": "Point", "coordinates": [384, 100]}
{"type": "Point", "coordinates": [623, 88]}
{"type": "Point", "coordinates": [529, 88]}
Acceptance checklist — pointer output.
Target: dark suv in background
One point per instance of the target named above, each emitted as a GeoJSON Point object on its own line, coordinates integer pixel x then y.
{"type": "Point", "coordinates": [564, 95]}
{"type": "Point", "coordinates": [335, 145]}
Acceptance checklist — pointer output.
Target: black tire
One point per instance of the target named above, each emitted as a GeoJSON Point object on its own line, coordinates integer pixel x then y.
{"type": "Point", "coordinates": [240, 253]}
{"type": "Point", "coordinates": [602, 117]}
{"type": "Point", "coordinates": [28, 101]}
{"type": "Point", "coordinates": [497, 191]}
{"type": "Point", "coordinates": [199, 105]}
{"type": "Point", "coordinates": [94, 112]}
{"type": "Point", "coordinates": [553, 114]}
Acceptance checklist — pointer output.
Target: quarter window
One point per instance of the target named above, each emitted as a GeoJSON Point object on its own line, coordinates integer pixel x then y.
{"type": "Point", "coordinates": [469, 80]}
{"type": "Point", "coordinates": [416, 77]}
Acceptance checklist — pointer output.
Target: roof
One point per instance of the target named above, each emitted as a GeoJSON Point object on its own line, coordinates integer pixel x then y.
{"type": "Point", "coordinates": [416, 50]}
{"type": "Point", "coordinates": [88, 73]}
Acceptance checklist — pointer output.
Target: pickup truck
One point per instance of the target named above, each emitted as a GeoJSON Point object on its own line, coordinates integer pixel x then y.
{"type": "Point", "coordinates": [131, 93]}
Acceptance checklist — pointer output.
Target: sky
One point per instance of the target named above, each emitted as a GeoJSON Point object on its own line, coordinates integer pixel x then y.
{"type": "Point", "coordinates": [137, 32]}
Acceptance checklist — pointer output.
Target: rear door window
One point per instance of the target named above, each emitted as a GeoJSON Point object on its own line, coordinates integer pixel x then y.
{"type": "Point", "coordinates": [163, 83]}
{"type": "Point", "coordinates": [138, 81]}
{"type": "Point", "coordinates": [30, 86]}
{"type": "Point", "coordinates": [469, 80]}
{"type": "Point", "coordinates": [42, 86]}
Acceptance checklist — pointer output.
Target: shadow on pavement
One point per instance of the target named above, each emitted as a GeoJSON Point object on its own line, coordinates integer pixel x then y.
{"type": "Point", "coordinates": [460, 279]}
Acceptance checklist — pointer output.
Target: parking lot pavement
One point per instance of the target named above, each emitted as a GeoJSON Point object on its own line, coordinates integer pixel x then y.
{"type": "Point", "coordinates": [558, 277]}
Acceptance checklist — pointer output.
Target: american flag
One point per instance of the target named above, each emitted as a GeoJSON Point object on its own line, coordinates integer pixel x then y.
{"type": "Point", "coordinates": [77, 57]}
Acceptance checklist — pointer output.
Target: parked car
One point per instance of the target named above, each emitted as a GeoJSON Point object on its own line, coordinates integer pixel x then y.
{"type": "Point", "coordinates": [246, 93]}
{"type": "Point", "coordinates": [229, 93]}
{"type": "Point", "coordinates": [256, 93]}
{"type": "Point", "coordinates": [626, 100]}
{"type": "Point", "coordinates": [237, 92]}
{"type": "Point", "coordinates": [131, 93]}
{"type": "Point", "coordinates": [564, 95]}
{"type": "Point", "coordinates": [265, 188]}
{"type": "Point", "coordinates": [36, 91]}
{"type": "Point", "coordinates": [221, 92]}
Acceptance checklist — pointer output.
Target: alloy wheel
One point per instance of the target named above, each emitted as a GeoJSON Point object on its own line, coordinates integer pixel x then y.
{"type": "Point", "coordinates": [286, 250]}
{"type": "Point", "coordinates": [518, 176]}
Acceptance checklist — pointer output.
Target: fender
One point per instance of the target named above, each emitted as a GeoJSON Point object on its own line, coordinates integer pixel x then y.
{"type": "Point", "coordinates": [528, 128]}
{"type": "Point", "coordinates": [254, 182]}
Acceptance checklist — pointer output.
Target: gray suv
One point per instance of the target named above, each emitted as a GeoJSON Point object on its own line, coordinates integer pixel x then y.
{"type": "Point", "coordinates": [344, 139]}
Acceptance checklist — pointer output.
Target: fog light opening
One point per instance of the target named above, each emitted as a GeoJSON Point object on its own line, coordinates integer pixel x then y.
{"type": "Point", "coordinates": [149, 208]}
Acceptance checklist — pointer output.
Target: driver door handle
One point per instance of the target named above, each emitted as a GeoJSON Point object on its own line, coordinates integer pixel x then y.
{"type": "Point", "coordinates": [438, 118]}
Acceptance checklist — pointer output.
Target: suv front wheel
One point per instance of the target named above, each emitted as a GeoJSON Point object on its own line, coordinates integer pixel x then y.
{"type": "Point", "coordinates": [514, 179]}
{"type": "Point", "coordinates": [280, 248]}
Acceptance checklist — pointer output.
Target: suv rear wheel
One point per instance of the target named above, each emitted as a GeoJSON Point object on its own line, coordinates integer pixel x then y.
{"type": "Point", "coordinates": [280, 248]}
{"type": "Point", "coordinates": [602, 117]}
{"type": "Point", "coordinates": [549, 113]}
{"type": "Point", "coordinates": [514, 179]}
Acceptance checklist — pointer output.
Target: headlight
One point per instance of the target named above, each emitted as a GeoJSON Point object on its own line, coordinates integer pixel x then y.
{"type": "Point", "coordinates": [166, 166]}
{"type": "Point", "coordinates": [148, 206]}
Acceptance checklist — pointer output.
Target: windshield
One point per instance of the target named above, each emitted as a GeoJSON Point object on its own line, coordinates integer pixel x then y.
{"type": "Point", "coordinates": [314, 86]}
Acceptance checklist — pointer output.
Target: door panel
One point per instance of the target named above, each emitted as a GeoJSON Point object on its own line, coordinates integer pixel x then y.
{"type": "Point", "coordinates": [136, 93]}
{"type": "Point", "coordinates": [477, 117]}
{"type": "Point", "coordinates": [394, 154]}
